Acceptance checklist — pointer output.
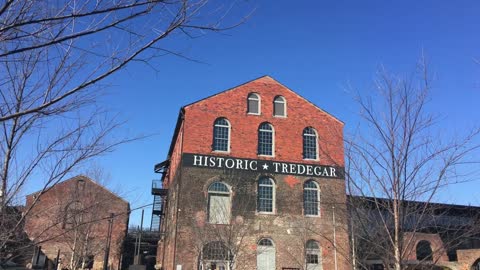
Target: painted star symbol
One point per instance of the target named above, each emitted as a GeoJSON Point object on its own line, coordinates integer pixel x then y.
{"type": "Point", "coordinates": [265, 166]}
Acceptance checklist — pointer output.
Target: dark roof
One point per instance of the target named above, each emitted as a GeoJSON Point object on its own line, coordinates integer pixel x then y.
{"type": "Point", "coordinates": [457, 208]}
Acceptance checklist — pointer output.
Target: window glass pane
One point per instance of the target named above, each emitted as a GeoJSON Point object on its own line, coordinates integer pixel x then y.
{"type": "Point", "coordinates": [279, 106]}
{"type": "Point", "coordinates": [312, 258]}
{"type": "Point", "coordinates": [265, 139]}
{"type": "Point", "coordinates": [215, 251]}
{"type": "Point", "coordinates": [312, 255]}
{"type": "Point", "coordinates": [265, 195]}
{"type": "Point", "coordinates": [217, 186]}
{"type": "Point", "coordinates": [221, 136]}
{"type": "Point", "coordinates": [309, 144]}
{"type": "Point", "coordinates": [279, 109]}
{"type": "Point", "coordinates": [253, 103]}
{"type": "Point", "coordinates": [265, 242]}
{"type": "Point", "coordinates": [310, 198]}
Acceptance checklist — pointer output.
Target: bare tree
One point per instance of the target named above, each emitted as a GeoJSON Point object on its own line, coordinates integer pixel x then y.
{"type": "Point", "coordinates": [72, 219]}
{"type": "Point", "coordinates": [55, 57]}
{"type": "Point", "coordinates": [221, 233]}
{"type": "Point", "coordinates": [397, 158]}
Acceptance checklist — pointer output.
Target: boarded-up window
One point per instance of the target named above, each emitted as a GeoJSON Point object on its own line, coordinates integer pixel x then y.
{"type": "Point", "coordinates": [218, 203]}
{"type": "Point", "coordinates": [265, 255]}
{"type": "Point", "coordinates": [279, 106]}
{"type": "Point", "coordinates": [253, 105]}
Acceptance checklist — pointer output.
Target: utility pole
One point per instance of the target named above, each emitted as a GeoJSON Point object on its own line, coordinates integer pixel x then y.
{"type": "Point", "coordinates": [140, 236]}
{"type": "Point", "coordinates": [109, 239]}
{"type": "Point", "coordinates": [334, 238]}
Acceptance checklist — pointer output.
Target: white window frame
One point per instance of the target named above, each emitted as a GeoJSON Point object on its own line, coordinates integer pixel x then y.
{"type": "Point", "coordinates": [219, 193]}
{"type": "Point", "coordinates": [318, 197]}
{"type": "Point", "coordinates": [274, 205]}
{"type": "Point", "coordinates": [311, 266]}
{"type": "Point", "coordinates": [284, 101]}
{"type": "Point", "coordinates": [254, 96]}
{"type": "Point", "coordinates": [229, 135]}
{"type": "Point", "coordinates": [205, 262]}
{"type": "Point", "coordinates": [273, 139]}
{"type": "Point", "coordinates": [316, 144]}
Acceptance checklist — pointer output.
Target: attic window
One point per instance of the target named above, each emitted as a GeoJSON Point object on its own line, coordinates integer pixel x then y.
{"type": "Point", "coordinates": [253, 103]}
{"type": "Point", "coordinates": [279, 106]}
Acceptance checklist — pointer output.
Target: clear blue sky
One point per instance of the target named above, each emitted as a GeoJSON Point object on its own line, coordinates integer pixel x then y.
{"type": "Point", "coordinates": [314, 47]}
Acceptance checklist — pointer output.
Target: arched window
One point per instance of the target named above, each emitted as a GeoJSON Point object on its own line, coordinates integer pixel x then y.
{"type": "Point", "coordinates": [266, 195]}
{"type": "Point", "coordinates": [279, 106]}
{"type": "Point", "coordinates": [311, 198]}
{"type": "Point", "coordinates": [265, 139]}
{"type": "Point", "coordinates": [424, 251]}
{"type": "Point", "coordinates": [221, 135]}
{"type": "Point", "coordinates": [215, 255]}
{"type": "Point", "coordinates": [218, 203]}
{"type": "Point", "coordinates": [254, 103]}
{"type": "Point", "coordinates": [310, 143]}
{"type": "Point", "coordinates": [265, 255]}
{"type": "Point", "coordinates": [313, 257]}
{"type": "Point", "coordinates": [476, 265]}
{"type": "Point", "coordinates": [73, 215]}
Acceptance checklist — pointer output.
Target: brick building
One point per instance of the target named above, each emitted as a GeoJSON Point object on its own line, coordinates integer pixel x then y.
{"type": "Point", "coordinates": [254, 178]}
{"type": "Point", "coordinates": [72, 219]}
{"type": "Point", "coordinates": [438, 237]}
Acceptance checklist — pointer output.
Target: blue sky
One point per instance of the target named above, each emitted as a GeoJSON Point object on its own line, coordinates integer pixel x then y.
{"type": "Point", "coordinates": [316, 48]}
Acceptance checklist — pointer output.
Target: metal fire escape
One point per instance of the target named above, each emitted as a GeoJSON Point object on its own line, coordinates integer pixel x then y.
{"type": "Point", "coordinates": [159, 197]}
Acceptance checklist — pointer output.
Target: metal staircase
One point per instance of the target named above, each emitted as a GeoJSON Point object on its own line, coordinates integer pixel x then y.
{"type": "Point", "coordinates": [159, 197]}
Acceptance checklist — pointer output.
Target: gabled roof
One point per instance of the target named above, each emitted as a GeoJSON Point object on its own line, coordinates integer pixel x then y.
{"type": "Point", "coordinates": [273, 80]}
{"type": "Point", "coordinates": [81, 177]}
{"type": "Point", "coordinates": [182, 109]}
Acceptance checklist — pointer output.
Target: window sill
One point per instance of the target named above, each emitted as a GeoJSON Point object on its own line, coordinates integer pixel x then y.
{"type": "Point", "coordinates": [217, 223]}
{"type": "Point", "coordinates": [220, 152]}
{"type": "Point", "coordinates": [249, 113]}
{"type": "Point", "coordinates": [266, 213]}
{"type": "Point", "coordinates": [312, 216]}
{"type": "Point", "coordinates": [272, 156]}
{"type": "Point", "coordinates": [280, 116]}
{"type": "Point", "coordinates": [311, 159]}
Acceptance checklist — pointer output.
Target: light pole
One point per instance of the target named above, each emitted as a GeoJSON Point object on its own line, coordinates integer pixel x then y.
{"type": "Point", "coordinates": [109, 239]}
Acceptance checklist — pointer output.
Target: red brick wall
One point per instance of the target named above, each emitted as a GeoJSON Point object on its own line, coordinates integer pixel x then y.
{"type": "Point", "coordinates": [232, 104]}
{"type": "Point", "coordinates": [436, 243]}
{"type": "Point", "coordinates": [175, 157]}
{"type": "Point", "coordinates": [179, 245]}
{"type": "Point", "coordinates": [44, 222]}
{"type": "Point", "coordinates": [466, 258]}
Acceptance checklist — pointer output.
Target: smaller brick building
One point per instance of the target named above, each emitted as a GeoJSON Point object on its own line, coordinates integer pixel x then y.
{"type": "Point", "coordinates": [72, 218]}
